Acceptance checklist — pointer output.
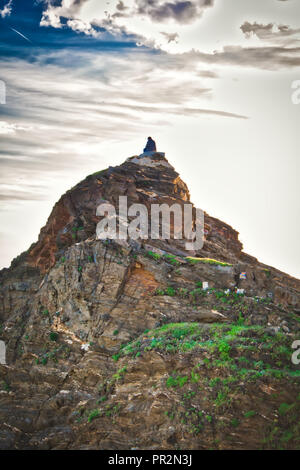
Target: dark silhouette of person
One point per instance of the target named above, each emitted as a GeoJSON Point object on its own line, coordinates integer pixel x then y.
{"type": "Point", "coordinates": [150, 146]}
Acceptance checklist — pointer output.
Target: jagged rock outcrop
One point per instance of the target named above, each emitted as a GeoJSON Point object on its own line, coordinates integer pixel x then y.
{"type": "Point", "coordinates": [93, 355]}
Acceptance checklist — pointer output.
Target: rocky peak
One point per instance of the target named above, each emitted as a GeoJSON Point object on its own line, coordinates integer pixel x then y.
{"type": "Point", "coordinates": [143, 179]}
{"type": "Point", "coordinates": [142, 334]}
{"type": "Point", "coordinates": [146, 179]}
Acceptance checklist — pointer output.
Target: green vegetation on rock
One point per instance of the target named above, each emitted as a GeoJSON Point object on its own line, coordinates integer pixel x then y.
{"type": "Point", "coordinates": [211, 261]}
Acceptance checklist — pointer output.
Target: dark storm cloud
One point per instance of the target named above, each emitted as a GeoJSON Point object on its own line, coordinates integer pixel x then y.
{"type": "Point", "coordinates": [269, 31]}
{"type": "Point", "coordinates": [255, 28]}
{"type": "Point", "coordinates": [179, 11]}
{"type": "Point", "coordinates": [57, 14]}
{"type": "Point", "coordinates": [182, 12]}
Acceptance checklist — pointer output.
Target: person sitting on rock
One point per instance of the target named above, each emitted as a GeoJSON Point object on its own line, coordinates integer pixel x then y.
{"type": "Point", "coordinates": [150, 146]}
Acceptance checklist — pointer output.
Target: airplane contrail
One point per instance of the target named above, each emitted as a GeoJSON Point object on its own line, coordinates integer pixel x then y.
{"type": "Point", "coordinates": [22, 35]}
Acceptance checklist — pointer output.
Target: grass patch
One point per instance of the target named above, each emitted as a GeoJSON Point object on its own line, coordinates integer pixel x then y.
{"type": "Point", "coordinates": [284, 409]}
{"type": "Point", "coordinates": [172, 260]}
{"type": "Point", "coordinates": [177, 381]}
{"type": "Point", "coordinates": [211, 261]}
{"type": "Point", "coordinates": [93, 414]}
{"type": "Point", "coordinates": [53, 336]}
{"type": "Point", "coordinates": [153, 255]}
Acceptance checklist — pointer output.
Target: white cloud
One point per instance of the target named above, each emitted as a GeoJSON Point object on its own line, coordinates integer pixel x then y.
{"type": "Point", "coordinates": [11, 128]}
{"type": "Point", "coordinates": [141, 18]}
{"type": "Point", "coordinates": [83, 27]}
{"type": "Point", "coordinates": [174, 26]}
{"type": "Point", "coordinates": [56, 111]}
{"type": "Point", "coordinates": [6, 10]}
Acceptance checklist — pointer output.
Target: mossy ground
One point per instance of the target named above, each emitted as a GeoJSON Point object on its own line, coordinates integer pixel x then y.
{"type": "Point", "coordinates": [234, 346]}
{"type": "Point", "coordinates": [232, 385]}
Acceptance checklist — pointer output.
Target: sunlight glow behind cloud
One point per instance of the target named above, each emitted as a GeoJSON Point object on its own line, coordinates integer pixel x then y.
{"type": "Point", "coordinates": [174, 25]}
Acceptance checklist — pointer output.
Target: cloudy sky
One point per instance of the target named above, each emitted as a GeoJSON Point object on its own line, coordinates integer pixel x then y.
{"type": "Point", "coordinates": [210, 80]}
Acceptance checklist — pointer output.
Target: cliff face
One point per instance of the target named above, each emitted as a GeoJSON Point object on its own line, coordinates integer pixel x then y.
{"type": "Point", "coordinates": [108, 338]}
{"type": "Point", "coordinates": [146, 181]}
